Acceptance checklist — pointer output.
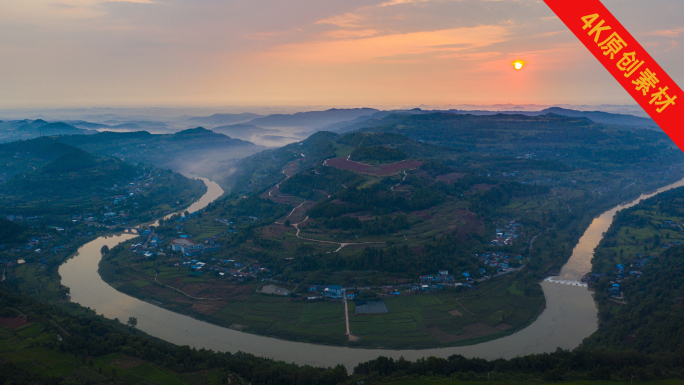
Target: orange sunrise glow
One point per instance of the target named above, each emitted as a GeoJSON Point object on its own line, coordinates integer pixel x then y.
{"type": "Point", "coordinates": [308, 52]}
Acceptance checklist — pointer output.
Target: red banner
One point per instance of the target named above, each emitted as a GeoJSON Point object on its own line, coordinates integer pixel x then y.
{"type": "Point", "coordinates": [627, 61]}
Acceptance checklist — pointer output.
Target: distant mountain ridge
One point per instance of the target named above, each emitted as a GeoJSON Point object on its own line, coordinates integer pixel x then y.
{"type": "Point", "coordinates": [29, 129]}
{"type": "Point", "coordinates": [223, 119]}
{"type": "Point", "coordinates": [595, 116]}
{"type": "Point", "coordinates": [243, 130]}
{"type": "Point", "coordinates": [312, 119]}
{"type": "Point", "coordinates": [603, 117]}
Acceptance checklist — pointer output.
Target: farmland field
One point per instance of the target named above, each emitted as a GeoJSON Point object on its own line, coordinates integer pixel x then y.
{"type": "Point", "coordinates": [383, 170]}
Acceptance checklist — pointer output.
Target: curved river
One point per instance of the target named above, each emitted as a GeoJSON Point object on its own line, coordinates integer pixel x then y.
{"type": "Point", "coordinates": [569, 317]}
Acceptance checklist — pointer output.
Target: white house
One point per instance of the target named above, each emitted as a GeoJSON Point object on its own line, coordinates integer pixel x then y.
{"type": "Point", "coordinates": [186, 246]}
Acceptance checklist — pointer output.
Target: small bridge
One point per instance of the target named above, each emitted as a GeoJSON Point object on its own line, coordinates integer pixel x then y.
{"type": "Point", "coordinates": [565, 282]}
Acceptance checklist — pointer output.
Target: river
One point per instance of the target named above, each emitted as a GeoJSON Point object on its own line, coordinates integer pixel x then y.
{"type": "Point", "coordinates": [569, 317]}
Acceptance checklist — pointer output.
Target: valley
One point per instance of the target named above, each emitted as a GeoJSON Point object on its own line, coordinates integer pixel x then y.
{"type": "Point", "coordinates": [360, 240]}
{"type": "Point", "coordinates": [400, 227]}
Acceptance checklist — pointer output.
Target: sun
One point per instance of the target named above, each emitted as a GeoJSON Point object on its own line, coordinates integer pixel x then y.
{"type": "Point", "coordinates": [518, 64]}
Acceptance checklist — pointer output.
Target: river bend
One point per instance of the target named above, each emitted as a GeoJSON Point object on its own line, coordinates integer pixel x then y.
{"type": "Point", "coordinates": [569, 317]}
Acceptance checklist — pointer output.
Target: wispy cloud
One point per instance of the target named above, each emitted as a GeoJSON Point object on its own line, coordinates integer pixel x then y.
{"type": "Point", "coordinates": [348, 20]}
{"type": "Point", "coordinates": [674, 32]}
{"type": "Point", "coordinates": [398, 2]}
{"type": "Point", "coordinates": [352, 34]}
{"type": "Point", "coordinates": [388, 46]}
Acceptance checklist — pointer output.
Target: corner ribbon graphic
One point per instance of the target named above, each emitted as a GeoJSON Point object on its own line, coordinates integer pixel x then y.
{"type": "Point", "coordinates": [627, 61]}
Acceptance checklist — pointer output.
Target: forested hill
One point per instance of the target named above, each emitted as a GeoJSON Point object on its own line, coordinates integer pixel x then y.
{"type": "Point", "coordinates": [269, 167]}
{"type": "Point", "coordinates": [496, 143]}
{"type": "Point", "coordinates": [189, 140]}
{"type": "Point", "coordinates": [578, 137]}
{"type": "Point", "coordinates": [638, 275]}
{"type": "Point", "coordinates": [44, 176]}
{"type": "Point", "coordinates": [194, 151]}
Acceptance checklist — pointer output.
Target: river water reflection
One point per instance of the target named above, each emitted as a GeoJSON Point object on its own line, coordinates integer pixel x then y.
{"type": "Point", "coordinates": [569, 317]}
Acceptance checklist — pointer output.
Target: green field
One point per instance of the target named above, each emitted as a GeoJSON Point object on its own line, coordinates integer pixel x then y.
{"type": "Point", "coordinates": [449, 318]}
{"type": "Point", "coordinates": [22, 347]}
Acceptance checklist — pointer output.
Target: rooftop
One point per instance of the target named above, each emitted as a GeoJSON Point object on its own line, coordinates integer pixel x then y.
{"type": "Point", "coordinates": [182, 242]}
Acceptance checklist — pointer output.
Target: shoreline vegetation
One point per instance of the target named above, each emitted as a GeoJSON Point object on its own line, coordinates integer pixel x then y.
{"type": "Point", "coordinates": [550, 202]}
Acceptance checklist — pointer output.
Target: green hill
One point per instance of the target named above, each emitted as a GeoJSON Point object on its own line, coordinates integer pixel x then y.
{"type": "Point", "coordinates": [643, 254]}
{"type": "Point", "coordinates": [45, 176]}
{"type": "Point", "coordinates": [578, 139]}
{"type": "Point", "coordinates": [194, 151]}
{"type": "Point", "coordinates": [76, 160]}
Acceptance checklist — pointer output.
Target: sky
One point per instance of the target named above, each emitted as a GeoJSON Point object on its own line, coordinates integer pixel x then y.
{"type": "Point", "coordinates": [344, 53]}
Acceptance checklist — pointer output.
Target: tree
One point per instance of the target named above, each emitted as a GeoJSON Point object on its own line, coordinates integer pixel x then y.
{"type": "Point", "coordinates": [104, 250]}
{"type": "Point", "coordinates": [132, 322]}
{"type": "Point", "coordinates": [287, 222]}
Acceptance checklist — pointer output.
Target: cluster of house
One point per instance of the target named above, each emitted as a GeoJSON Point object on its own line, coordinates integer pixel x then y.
{"type": "Point", "coordinates": [229, 269]}
{"type": "Point", "coordinates": [229, 223]}
{"type": "Point", "coordinates": [83, 217]}
{"type": "Point", "coordinates": [443, 276]}
{"type": "Point", "coordinates": [330, 292]}
{"type": "Point", "coordinates": [507, 235]}
{"type": "Point", "coordinates": [189, 216]}
{"type": "Point", "coordinates": [499, 260]}
{"type": "Point", "coordinates": [37, 244]}
{"type": "Point", "coordinates": [20, 218]}
{"type": "Point", "coordinates": [120, 216]}
{"type": "Point", "coordinates": [336, 292]}
{"type": "Point", "coordinates": [669, 224]}
{"type": "Point", "coordinates": [621, 274]}
{"type": "Point", "coordinates": [671, 244]}
{"type": "Point", "coordinates": [130, 189]}
{"type": "Point", "coordinates": [151, 241]}
{"type": "Point", "coordinates": [117, 199]}
{"type": "Point", "coordinates": [429, 288]}
{"type": "Point", "coordinates": [430, 283]}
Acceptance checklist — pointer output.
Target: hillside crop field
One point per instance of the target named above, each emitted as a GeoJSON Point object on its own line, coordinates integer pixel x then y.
{"type": "Point", "coordinates": [385, 169]}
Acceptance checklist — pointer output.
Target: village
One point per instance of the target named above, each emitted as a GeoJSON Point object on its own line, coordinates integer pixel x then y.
{"type": "Point", "coordinates": [52, 234]}
{"type": "Point", "coordinates": [620, 275]}
{"type": "Point", "coordinates": [506, 236]}
{"type": "Point", "coordinates": [200, 258]}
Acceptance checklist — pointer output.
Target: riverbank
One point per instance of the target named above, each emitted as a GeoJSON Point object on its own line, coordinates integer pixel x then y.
{"type": "Point", "coordinates": [569, 317]}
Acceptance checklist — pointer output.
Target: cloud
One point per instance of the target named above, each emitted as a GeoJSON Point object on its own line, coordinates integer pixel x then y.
{"type": "Point", "coordinates": [388, 46]}
{"type": "Point", "coordinates": [348, 20]}
{"type": "Point", "coordinates": [398, 2]}
{"type": "Point", "coordinates": [352, 34]}
{"type": "Point", "coordinates": [673, 45]}
{"type": "Point", "coordinates": [674, 32]}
